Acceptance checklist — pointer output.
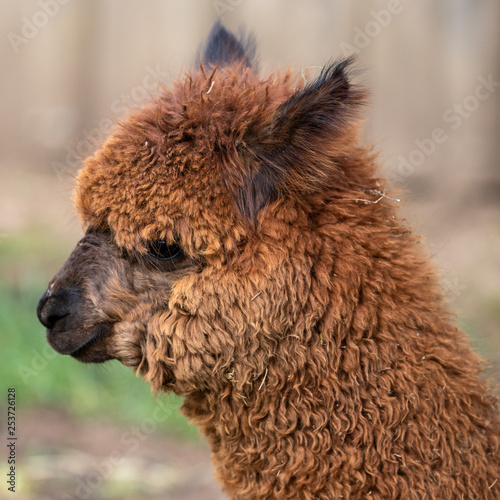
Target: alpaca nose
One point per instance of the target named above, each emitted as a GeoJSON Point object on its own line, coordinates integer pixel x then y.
{"type": "Point", "coordinates": [55, 305]}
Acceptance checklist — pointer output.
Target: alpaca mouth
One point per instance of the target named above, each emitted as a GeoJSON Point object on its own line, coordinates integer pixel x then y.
{"type": "Point", "coordinates": [98, 333]}
{"type": "Point", "coordinates": [87, 346]}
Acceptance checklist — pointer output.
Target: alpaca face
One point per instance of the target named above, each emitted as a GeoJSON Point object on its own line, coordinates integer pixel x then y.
{"type": "Point", "coordinates": [103, 297]}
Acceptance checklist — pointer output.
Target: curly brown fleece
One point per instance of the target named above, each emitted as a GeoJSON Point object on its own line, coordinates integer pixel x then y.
{"type": "Point", "coordinates": [312, 345]}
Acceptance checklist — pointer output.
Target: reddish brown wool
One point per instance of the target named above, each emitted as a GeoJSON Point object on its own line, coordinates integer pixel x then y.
{"type": "Point", "coordinates": [304, 327]}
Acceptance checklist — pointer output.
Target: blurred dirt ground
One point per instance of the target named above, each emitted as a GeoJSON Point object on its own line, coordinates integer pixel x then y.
{"type": "Point", "coordinates": [63, 458]}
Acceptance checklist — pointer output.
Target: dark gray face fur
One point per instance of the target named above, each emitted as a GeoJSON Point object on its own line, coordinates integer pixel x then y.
{"type": "Point", "coordinates": [98, 305]}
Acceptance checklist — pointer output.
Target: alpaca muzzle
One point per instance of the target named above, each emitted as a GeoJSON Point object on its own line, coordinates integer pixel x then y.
{"type": "Point", "coordinates": [71, 307]}
{"type": "Point", "coordinates": [58, 310]}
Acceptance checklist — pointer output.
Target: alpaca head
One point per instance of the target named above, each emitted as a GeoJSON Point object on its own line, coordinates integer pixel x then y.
{"type": "Point", "coordinates": [198, 212]}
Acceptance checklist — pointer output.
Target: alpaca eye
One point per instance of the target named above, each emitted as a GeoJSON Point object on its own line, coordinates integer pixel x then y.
{"type": "Point", "coordinates": [161, 250]}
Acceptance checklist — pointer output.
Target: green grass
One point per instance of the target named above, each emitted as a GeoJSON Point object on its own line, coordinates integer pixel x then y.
{"type": "Point", "coordinates": [41, 376]}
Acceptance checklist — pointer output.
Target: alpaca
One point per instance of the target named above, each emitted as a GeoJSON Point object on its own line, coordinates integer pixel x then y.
{"type": "Point", "coordinates": [241, 251]}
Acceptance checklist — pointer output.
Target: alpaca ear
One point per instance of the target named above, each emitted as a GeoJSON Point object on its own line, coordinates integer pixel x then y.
{"type": "Point", "coordinates": [297, 152]}
{"type": "Point", "coordinates": [222, 48]}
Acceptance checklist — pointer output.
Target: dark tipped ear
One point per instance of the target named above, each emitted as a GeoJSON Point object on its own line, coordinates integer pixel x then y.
{"type": "Point", "coordinates": [297, 152]}
{"type": "Point", "coordinates": [312, 128]}
{"type": "Point", "coordinates": [222, 48]}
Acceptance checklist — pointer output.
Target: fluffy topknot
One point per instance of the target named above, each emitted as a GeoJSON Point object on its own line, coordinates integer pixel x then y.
{"type": "Point", "coordinates": [223, 144]}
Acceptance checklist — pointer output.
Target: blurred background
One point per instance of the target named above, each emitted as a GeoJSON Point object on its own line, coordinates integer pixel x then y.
{"type": "Point", "coordinates": [71, 68]}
